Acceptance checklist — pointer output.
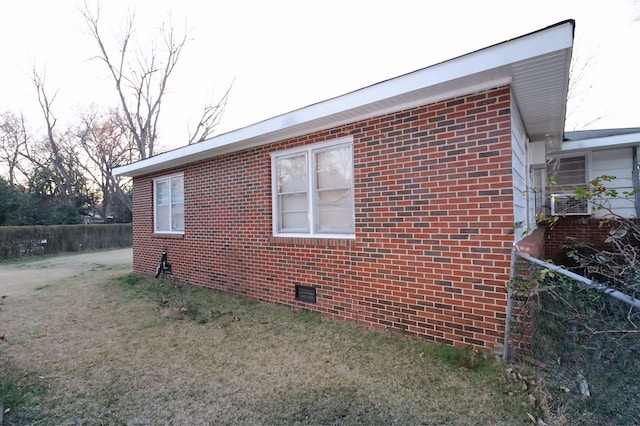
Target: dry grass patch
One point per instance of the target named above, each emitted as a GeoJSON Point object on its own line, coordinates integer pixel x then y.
{"type": "Point", "coordinates": [108, 347]}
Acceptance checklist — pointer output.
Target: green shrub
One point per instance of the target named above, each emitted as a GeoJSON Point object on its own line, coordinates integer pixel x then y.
{"type": "Point", "coordinates": [20, 241]}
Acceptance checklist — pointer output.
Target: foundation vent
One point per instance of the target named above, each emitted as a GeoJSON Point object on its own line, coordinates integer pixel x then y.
{"type": "Point", "coordinates": [306, 294]}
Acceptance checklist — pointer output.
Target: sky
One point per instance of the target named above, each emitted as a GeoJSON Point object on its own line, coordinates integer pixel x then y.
{"type": "Point", "coordinates": [284, 55]}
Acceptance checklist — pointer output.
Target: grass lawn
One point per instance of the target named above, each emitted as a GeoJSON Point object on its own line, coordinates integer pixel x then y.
{"type": "Point", "coordinates": [109, 347]}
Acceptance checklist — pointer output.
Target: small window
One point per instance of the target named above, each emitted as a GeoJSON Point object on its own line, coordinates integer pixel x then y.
{"type": "Point", "coordinates": [168, 201]}
{"type": "Point", "coordinates": [313, 190]}
{"type": "Point", "coordinates": [564, 175]}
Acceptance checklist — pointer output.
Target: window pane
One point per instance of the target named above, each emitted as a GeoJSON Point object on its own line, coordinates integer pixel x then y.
{"type": "Point", "coordinates": [177, 217]}
{"type": "Point", "coordinates": [334, 168]}
{"type": "Point", "coordinates": [162, 218]}
{"type": "Point", "coordinates": [293, 202]}
{"type": "Point", "coordinates": [294, 212]}
{"type": "Point", "coordinates": [177, 190]}
{"type": "Point", "coordinates": [292, 174]}
{"type": "Point", "coordinates": [296, 221]}
{"type": "Point", "coordinates": [334, 211]}
{"type": "Point", "coordinates": [567, 170]}
{"type": "Point", "coordinates": [162, 192]}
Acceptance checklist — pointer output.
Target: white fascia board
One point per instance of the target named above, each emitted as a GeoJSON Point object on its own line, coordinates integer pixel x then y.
{"type": "Point", "coordinates": [264, 132]}
{"type": "Point", "coordinates": [602, 143]}
{"type": "Point", "coordinates": [498, 56]}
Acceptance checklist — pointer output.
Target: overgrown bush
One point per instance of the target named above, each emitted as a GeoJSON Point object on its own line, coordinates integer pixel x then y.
{"type": "Point", "coordinates": [588, 347]}
{"type": "Point", "coordinates": [614, 262]}
{"type": "Point", "coordinates": [20, 241]}
{"type": "Point", "coordinates": [587, 343]}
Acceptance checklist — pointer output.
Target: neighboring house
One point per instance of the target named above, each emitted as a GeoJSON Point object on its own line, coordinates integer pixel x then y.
{"type": "Point", "coordinates": [582, 157]}
{"type": "Point", "coordinates": [393, 206]}
{"type": "Point", "coordinates": [94, 217]}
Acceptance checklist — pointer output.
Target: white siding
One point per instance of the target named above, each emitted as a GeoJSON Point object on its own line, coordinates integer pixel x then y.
{"type": "Point", "coordinates": [522, 197]}
{"type": "Point", "coordinates": [619, 163]}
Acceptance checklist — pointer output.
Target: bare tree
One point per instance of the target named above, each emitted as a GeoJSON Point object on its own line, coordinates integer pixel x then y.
{"type": "Point", "coordinates": [61, 154]}
{"type": "Point", "coordinates": [14, 140]}
{"type": "Point", "coordinates": [141, 80]}
{"type": "Point", "coordinates": [104, 141]}
{"type": "Point", "coordinates": [579, 90]}
{"type": "Point", "coordinates": [211, 116]}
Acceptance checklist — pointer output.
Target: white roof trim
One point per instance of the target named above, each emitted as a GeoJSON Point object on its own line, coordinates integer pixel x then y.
{"type": "Point", "coordinates": [602, 143]}
{"type": "Point", "coordinates": [475, 71]}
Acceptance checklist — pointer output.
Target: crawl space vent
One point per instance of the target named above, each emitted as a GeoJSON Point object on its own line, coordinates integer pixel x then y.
{"type": "Point", "coordinates": [306, 294]}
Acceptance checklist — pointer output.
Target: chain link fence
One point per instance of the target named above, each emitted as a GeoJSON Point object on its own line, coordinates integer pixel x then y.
{"type": "Point", "coordinates": [585, 344]}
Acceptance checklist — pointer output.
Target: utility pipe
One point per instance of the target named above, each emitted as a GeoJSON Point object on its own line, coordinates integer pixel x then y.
{"type": "Point", "coordinates": [635, 303]}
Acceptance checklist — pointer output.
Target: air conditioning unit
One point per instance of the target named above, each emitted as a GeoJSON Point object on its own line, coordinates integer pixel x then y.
{"type": "Point", "coordinates": [569, 205]}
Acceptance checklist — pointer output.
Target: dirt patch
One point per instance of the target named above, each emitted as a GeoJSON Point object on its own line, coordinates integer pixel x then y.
{"type": "Point", "coordinates": [17, 279]}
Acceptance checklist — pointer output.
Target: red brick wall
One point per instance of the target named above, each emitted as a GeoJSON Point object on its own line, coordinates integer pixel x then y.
{"type": "Point", "coordinates": [434, 214]}
{"type": "Point", "coordinates": [570, 230]}
{"type": "Point", "coordinates": [533, 244]}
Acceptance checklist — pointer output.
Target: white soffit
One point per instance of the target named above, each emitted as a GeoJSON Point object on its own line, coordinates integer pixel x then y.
{"type": "Point", "coordinates": [537, 66]}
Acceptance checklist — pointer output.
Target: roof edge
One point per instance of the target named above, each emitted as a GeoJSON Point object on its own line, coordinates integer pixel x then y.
{"type": "Point", "coordinates": [601, 139]}
{"type": "Point", "coordinates": [500, 55]}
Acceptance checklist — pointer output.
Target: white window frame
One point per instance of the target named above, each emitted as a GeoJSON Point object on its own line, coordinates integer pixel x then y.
{"type": "Point", "coordinates": [310, 151]}
{"type": "Point", "coordinates": [587, 163]}
{"type": "Point", "coordinates": [167, 179]}
{"type": "Point", "coordinates": [565, 191]}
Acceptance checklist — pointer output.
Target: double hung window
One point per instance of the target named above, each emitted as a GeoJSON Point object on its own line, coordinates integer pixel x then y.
{"type": "Point", "coordinates": [313, 190]}
{"type": "Point", "coordinates": [168, 202]}
{"type": "Point", "coordinates": [564, 175]}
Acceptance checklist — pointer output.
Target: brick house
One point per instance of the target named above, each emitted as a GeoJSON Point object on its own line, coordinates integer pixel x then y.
{"type": "Point", "coordinates": [393, 206]}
